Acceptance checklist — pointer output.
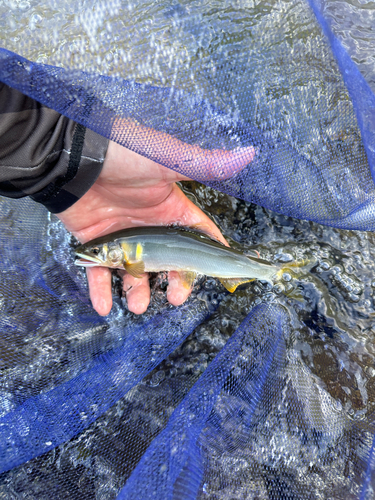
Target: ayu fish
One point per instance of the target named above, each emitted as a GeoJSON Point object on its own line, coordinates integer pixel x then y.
{"type": "Point", "coordinates": [159, 248]}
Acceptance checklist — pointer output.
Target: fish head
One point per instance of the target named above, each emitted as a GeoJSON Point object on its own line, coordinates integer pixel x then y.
{"type": "Point", "coordinates": [103, 255]}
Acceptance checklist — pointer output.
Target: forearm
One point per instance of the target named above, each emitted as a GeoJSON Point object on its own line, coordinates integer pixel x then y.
{"type": "Point", "coordinates": [44, 154]}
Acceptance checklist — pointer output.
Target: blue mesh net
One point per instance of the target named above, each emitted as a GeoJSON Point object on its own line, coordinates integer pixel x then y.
{"type": "Point", "coordinates": [268, 394]}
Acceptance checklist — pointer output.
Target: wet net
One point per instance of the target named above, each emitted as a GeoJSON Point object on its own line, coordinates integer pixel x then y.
{"type": "Point", "coordinates": [266, 394]}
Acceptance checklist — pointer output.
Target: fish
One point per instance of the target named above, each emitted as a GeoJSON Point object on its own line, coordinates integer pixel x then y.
{"type": "Point", "coordinates": [189, 252]}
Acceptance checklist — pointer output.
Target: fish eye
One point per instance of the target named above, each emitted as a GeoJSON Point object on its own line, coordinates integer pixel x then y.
{"type": "Point", "coordinates": [95, 251]}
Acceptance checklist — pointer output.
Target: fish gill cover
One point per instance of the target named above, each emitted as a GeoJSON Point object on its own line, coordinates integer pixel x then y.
{"type": "Point", "coordinates": [266, 394]}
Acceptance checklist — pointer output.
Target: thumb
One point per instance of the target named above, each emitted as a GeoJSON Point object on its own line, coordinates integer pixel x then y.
{"type": "Point", "coordinates": [189, 160]}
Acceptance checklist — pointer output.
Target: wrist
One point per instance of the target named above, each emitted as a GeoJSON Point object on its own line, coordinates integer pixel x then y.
{"type": "Point", "coordinates": [85, 163]}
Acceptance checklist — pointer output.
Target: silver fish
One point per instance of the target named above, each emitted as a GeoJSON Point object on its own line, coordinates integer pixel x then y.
{"type": "Point", "coordinates": [159, 248]}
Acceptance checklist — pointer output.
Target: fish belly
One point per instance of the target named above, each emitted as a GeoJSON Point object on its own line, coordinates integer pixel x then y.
{"type": "Point", "coordinates": [203, 261]}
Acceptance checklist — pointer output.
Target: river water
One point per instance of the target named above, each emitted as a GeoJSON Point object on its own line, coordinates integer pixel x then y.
{"type": "Point", "coordinates": [331, 309]}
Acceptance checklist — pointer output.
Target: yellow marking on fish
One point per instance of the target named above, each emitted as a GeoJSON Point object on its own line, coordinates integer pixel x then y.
{"type": "Point", "coordinates": [105, 248]}
{"type": "Point", "coordinates": [138, 252]}
{"type": "Point", "coordinates": [127, 250]}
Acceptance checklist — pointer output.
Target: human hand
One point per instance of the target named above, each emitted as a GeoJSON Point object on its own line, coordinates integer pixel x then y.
{"type": "Point", "coordinates": [133, 190]}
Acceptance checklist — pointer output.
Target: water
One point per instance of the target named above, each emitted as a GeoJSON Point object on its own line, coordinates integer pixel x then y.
{"type": "Point", "coordinates": [335, 302]}
{"type": "Point", "coordinates": [353, 23]}
{"type": "Point", "coordinates": [262, 67]}
{"type": "Point", "coordinates": [331, 311]}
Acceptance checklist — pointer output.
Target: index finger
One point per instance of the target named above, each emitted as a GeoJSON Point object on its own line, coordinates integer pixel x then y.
{"type": "Point", "coordinates": [100, 286]}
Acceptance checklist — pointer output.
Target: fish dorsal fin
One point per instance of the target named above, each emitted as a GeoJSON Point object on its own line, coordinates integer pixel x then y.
{"type": "Point", "coordinates": [202, 229]}
{"type": "Point", "coordinates": [187, 278]}
{"type": "Point", "coordinates": [252, 253]}
{"type": "Point", "coordinates": [205, 230]}
{"type": "Point", "coordinates": [232, 283]}
{"type": "Point", "coordinates": [136, 269]}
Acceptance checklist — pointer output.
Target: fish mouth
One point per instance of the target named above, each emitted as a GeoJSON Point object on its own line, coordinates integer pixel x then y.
{"type": "Point", "coordinates": [87, 260]}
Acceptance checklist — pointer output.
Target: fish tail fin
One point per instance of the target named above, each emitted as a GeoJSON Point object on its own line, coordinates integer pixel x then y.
{"type": "Point", "coordinates": [297, 268]}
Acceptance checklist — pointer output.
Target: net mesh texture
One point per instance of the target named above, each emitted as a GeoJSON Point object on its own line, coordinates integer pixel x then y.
{"type": "Point", "coordinates": [267, 394]}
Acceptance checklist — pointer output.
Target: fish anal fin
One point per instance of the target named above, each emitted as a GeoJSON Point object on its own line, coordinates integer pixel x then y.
{"type": "Point", "coordinates": [136, 269]}
{"type": "Point", "coordinates": [232, 283]}
{"type": "Point", "coordinates": [187, 278]}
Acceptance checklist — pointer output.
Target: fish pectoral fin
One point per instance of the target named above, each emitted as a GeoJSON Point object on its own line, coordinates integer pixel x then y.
{"type": "Point", "coordinates": [136, 269]}
{"type": "Point", "coordinates": [232, 283]}
{"type": "Point", "coordinates": [187, 278]}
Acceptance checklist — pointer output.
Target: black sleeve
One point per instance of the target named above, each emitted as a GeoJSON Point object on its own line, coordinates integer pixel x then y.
{"type": "Point", "coordinates": [45, 155]}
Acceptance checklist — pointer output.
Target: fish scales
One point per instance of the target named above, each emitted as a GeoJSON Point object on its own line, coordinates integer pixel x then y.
{"type": "Point", "coordinates": [189, 252]}
{"type": "Point", "coordinates": [177, 253]}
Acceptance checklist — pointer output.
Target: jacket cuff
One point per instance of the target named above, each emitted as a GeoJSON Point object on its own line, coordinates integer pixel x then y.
{"type": "Point", "coordinates": [85, 162]}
